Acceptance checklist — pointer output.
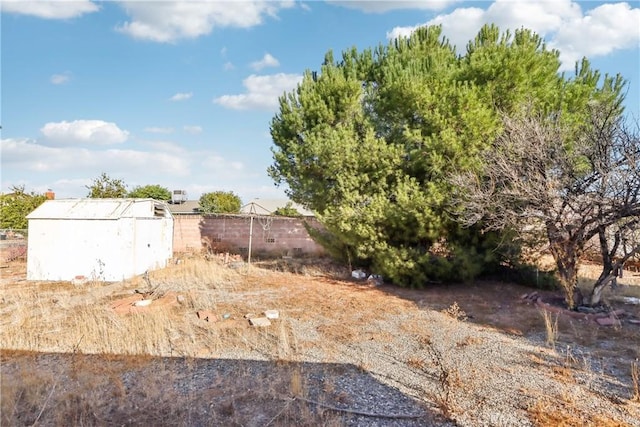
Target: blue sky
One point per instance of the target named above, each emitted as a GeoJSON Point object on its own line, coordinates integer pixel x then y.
{"type": "Point", "coordinates": [181, 93]}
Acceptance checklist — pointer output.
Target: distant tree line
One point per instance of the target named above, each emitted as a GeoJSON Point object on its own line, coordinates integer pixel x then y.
{"type": "Point", "coordinates": [214, 202]}
{"type": "Point", "coordinates": [18, 203]}
{"type": "Point", "coordinates": [105, 187]}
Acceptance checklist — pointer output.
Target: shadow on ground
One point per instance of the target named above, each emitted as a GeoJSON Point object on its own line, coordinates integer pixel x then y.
{"type": "Point", "coordinates": [76, 389]}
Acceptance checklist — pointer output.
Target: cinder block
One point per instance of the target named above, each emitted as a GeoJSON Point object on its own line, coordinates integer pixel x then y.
{"type": "Point", "coordinates": [259, 321]}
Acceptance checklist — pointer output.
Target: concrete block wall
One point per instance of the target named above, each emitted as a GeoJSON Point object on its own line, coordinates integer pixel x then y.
{"type": "Point", "coordinates": [276, 236]}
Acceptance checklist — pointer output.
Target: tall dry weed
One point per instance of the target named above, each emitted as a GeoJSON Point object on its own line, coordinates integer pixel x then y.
{"type": "Point", "coordinates": [551, 328]}
{"type": "Point", "coordinates": [635, 381]}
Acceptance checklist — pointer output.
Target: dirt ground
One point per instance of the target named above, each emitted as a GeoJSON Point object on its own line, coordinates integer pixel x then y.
{"type": "Point", "coordinates": [324, 313]}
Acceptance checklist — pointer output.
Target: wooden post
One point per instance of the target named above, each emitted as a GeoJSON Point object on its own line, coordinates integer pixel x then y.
{"type": "Point", "coordinates": [250, 238]}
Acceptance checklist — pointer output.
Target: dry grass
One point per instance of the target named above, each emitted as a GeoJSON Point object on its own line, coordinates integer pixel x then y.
{"type": "Point", "coordinates": [61, 317]}
{"type": "Point", "coordinates": [117, 365]}
{"type": "Point", "coordinates": [67, 324]}
{"type": "Point", "coordinates": [547, 412]}
{"type": "Point", "coordinates": [551, 327]}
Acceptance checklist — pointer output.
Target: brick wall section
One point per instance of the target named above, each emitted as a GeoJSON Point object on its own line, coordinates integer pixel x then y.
{"type": "Point", "coordinates": [275, 236]}
{"type": "Point", "coordinates": [186, 233]}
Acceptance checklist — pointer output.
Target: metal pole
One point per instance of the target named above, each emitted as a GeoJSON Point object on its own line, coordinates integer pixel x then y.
{"type": "Point", "coordinates": [250, 238]}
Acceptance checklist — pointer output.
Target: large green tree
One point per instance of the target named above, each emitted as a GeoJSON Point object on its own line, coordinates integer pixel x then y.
{"type": "Point", "coordinates": [16, 205]}
{"type": "Point", "coordinates": [220, 202]}
{"type": "Point", "coordinates": [105, 187]}
{"type": "Point", "coordinates": [369, 142]}
{"type": "Point", "coordinates": [155, 191]}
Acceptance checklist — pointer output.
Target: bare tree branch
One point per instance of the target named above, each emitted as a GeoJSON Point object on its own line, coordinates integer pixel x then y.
{"type": "Point", "coordinates": [570, 185]}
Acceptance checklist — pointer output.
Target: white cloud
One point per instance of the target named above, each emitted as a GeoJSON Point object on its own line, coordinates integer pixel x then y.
{"type": "Point", "coordinates": [193, 130]}
{"type": "Point", "coordinates": [67, 170]}
{"type": "Point", "coordinates": [165, 147]}
{"type": "Point", "coordinates": [262, 92]}
{"type": "Point", "coordinates": [181, 96]}
{"type": "Point", "coordinates": [598, 32]}
{"type": "Point", "coordinates": [304, 6]}
{"type": "Point", "coordinates": [459, 26]}
{"type": "Point", "coordinates": [30, 156]}
{"type": "Point", "coordinates": [159, 130]}
{"type": "Point", "coordinates": [228, 66]}
{"type": "Point", "coordinates": [267, 61]}
{"type": "Point", "coordinates": [601, 31]}
{"type": "Point", "coordinates": [84, 132]}
{"type": "Point", "coordinates": [169, 21]}
{"type": "Point", "coordinates": [58, 79]}
{"type": "Point", "coordinates": [50, 9]}
{"type": "Point", "coordinates": [221, 167]}
{"type": "Point", "coordinates": [374, 6]}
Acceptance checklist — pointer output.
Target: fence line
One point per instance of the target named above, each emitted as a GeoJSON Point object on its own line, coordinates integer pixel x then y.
{"type": "Point", "coordinates": [13, 244]}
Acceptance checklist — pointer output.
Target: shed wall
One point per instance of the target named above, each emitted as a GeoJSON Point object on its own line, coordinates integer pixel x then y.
{"type": "Point", "coordinates": [109, 250]}
{"type": "Point", "coordinates": [152, 245]}
{"type": "Point", "coordinates": [63, 249]}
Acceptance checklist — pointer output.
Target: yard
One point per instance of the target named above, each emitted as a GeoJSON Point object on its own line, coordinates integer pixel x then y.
{"type": "Point", "coordinates": [341, 352]}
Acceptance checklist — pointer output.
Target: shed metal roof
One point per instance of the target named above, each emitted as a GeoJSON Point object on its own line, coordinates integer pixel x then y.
{"type": "Point", "coordinates": [89, 209]}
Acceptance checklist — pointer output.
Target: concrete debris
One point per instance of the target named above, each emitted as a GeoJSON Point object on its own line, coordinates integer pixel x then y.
{"type": "Point", "coordinates": [132, 303]}
{"type": "Point", "coordinates": [358, 274]}
{"type": "Point", "coordinates": [180, 299]}
{"type": "Point", "coordinates": [237, 265]}
{"type": "Point", "coordinates": [272, 314]}
{"type": "Point", "coordinates": [79, 280]}
{"type": "Point", "coordinates": [375, 279]}
{"type": "Point", "coordinates": [143, 303]}
{"type": "Point", "coordinates": [259, 321]}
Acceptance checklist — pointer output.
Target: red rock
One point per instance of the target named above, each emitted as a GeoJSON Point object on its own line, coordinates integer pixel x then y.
{"type": "Point", "coordinates": [125, 305]}
{"type": "Point", "coordinates": [607, 321]}
{"type": "Point", "coordinates": [207, 315]}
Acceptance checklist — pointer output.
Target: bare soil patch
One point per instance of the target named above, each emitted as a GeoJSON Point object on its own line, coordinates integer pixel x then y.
{"type": "Point", "coordinates": [340, 353]}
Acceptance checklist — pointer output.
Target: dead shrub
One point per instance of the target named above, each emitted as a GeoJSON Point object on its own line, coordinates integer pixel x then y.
{"type": "Point", "coordinates": [454, 311]}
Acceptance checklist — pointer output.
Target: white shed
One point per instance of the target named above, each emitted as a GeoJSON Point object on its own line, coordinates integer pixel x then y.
{"type": "Point", "coordinates": [101, 239]}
